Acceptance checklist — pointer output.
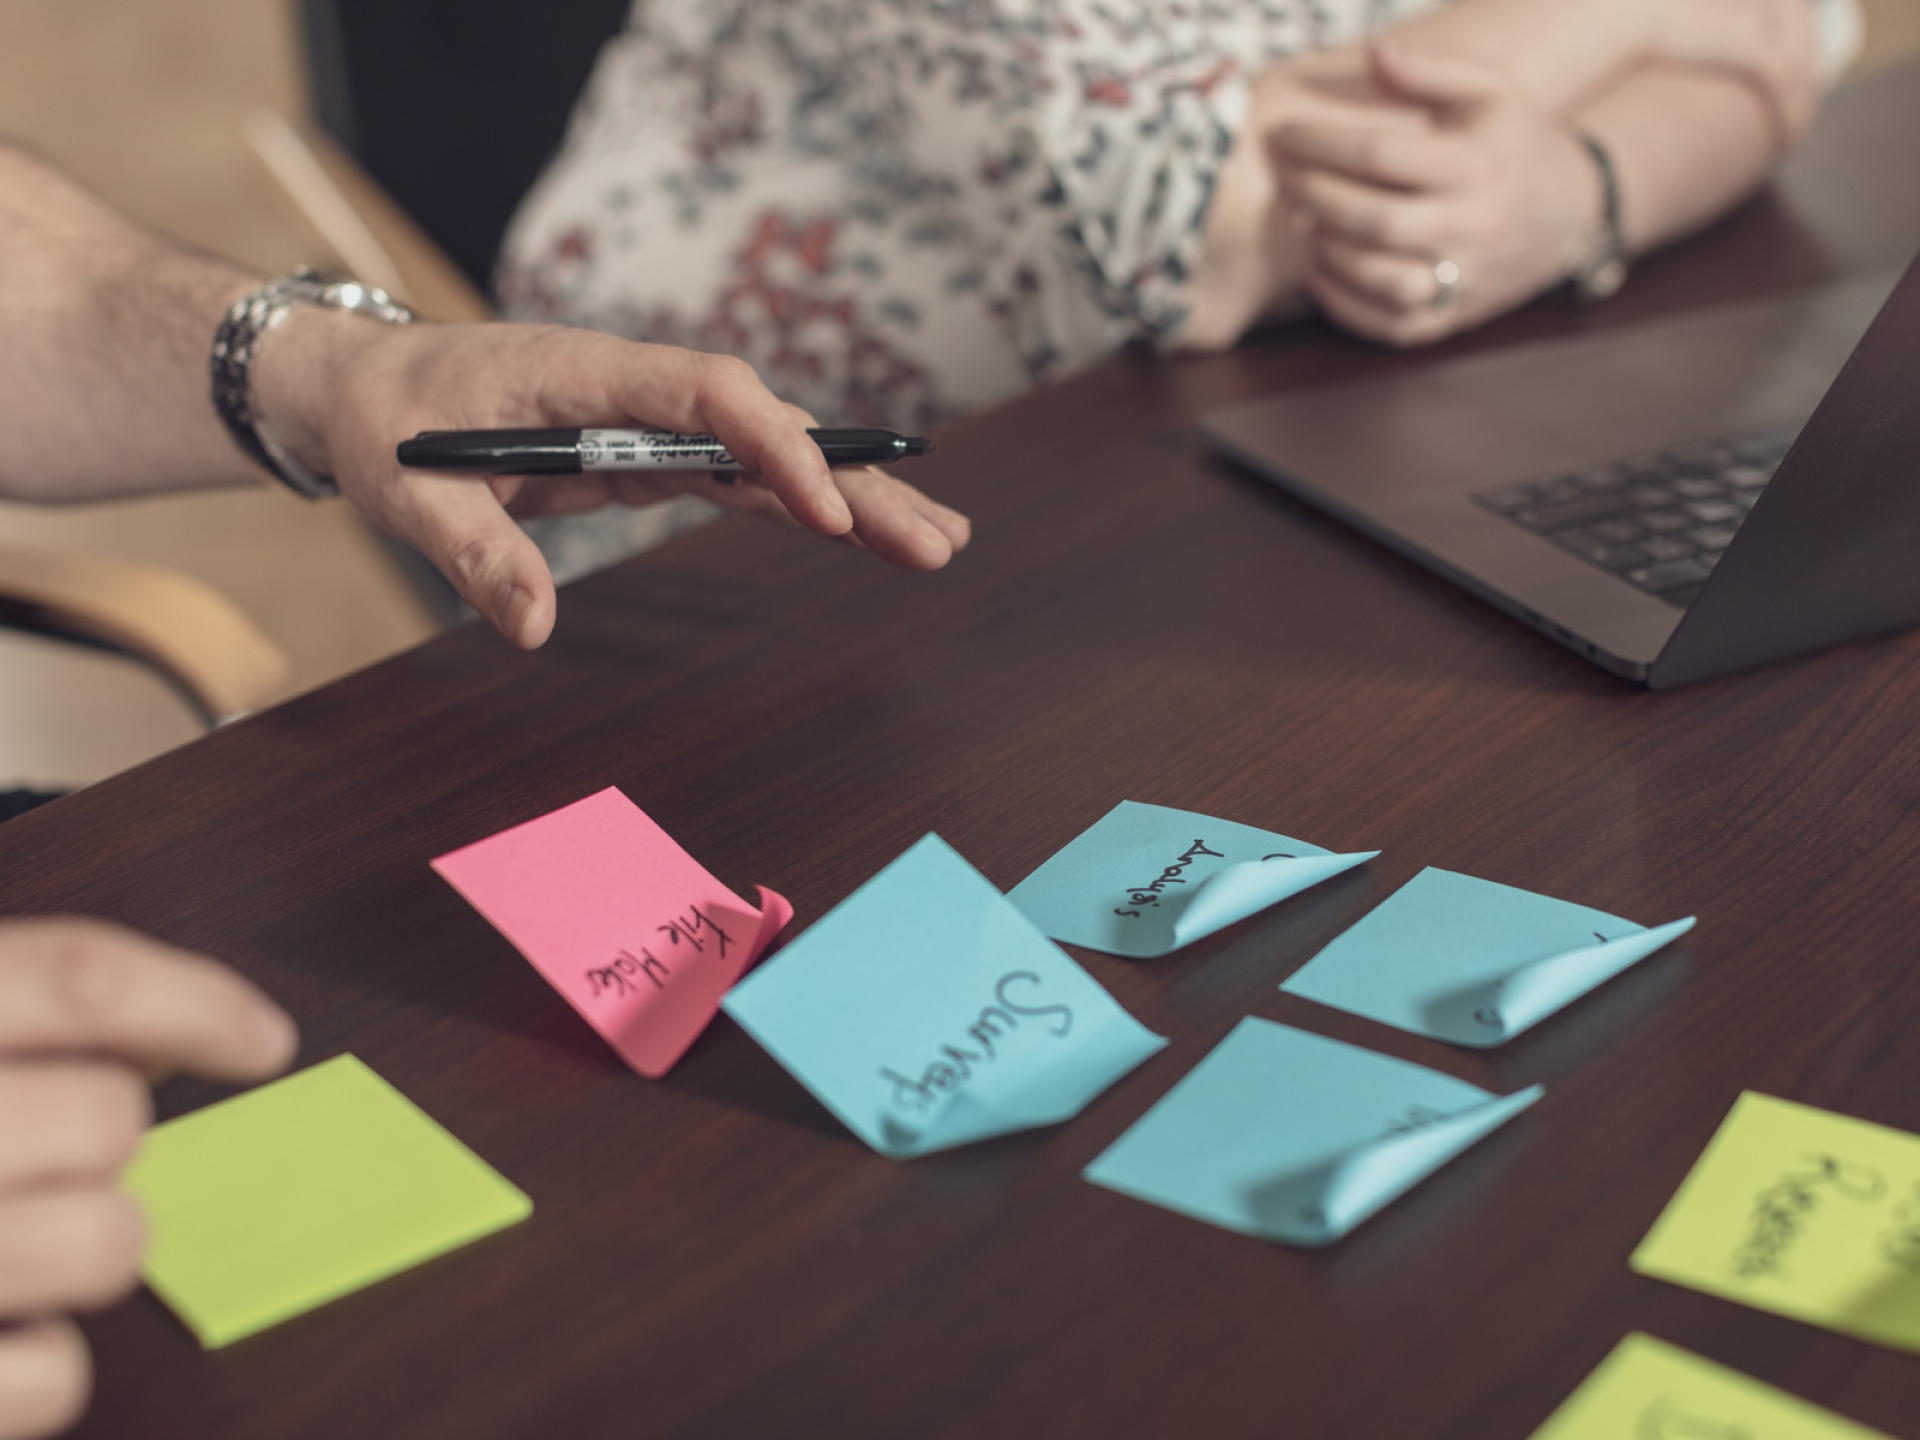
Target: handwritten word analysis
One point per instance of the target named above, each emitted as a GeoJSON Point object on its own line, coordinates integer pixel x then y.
{"type": "Point", "coordinates": [954, 1065]}
{"type": "Point", "coordinates": [1172, 875]}
{"type": "Point", "coordinates": [1781, 1211]}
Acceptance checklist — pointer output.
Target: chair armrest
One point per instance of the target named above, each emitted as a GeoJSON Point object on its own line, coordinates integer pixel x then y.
{"type": "Point", "coordinates": [185, 629]}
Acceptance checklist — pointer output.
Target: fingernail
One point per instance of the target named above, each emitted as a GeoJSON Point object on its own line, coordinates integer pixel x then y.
{"type": "Point", "coordinates": [837, 508]}
{"type": "Point", "coordinates": [513, 608]}
{"type": "Point", "coordinates": [275, 1037]}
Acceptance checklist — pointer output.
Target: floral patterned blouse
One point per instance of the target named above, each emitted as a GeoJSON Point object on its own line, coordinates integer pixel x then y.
{"type": "Point", "coordinates": [902, 210]}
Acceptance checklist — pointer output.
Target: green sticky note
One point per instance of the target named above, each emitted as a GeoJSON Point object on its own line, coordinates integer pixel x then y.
{"type": "Point", "coordinates": [1802, 1212]}
{"type": "Point", "coordinates": [1649, 1388]}
{"type": "Point", "coordinates": [264, 1206]}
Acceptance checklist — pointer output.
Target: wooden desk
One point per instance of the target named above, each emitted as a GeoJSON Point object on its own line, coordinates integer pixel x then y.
{"type": "Point", "coordinates": [712, 1255]}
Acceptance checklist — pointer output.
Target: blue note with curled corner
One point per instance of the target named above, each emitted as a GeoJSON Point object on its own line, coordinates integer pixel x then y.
{"type": "Point", "coordinates": [926, 1012]}
{"type": "Point", "coordinates": [1294, 1137]}
{"type": "Point", "coordinates": [1144, 880]}
{"type": "Point", "coordinates": [1472, 961]}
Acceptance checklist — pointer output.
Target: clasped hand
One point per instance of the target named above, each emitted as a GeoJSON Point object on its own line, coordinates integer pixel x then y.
{"type": "Point", "coordinates": [1462, 167]}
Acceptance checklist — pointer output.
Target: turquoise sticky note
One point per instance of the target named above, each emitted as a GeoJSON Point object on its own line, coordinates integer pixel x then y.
{"type": "Point", "coordinates": [1290, 1136]}
{"type": "Point", "coordinates": [926, 1012]}
{"type": "Point", "coordinates": [1144, 880]}
{"type": "Point", "coordinates": [1472, 961]}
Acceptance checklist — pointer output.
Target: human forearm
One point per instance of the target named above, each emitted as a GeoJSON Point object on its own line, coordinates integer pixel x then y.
{"type": "Point", "coordinates": [1561, 53]}
{"type": "Point", "coordinates": [103, 360]}
{"type": "Point", "coordinates": [1556, 50]}
{"type": "Point", "coordinates": [1687, 143]}
{"type": "Point", "coordinates": [105, 333]}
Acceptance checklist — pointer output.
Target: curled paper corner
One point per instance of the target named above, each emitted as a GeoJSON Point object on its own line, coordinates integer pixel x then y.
{"type": "Point", "coordinates": [1234, 892]}
{"type": "Point", "coordinates": [1047, 1094]}
{"type": "Point", "coordinates": [776, 913]}
{"type": "Point", "coordinates": [1319, 1205]}
{"type": "Point", "coordinates": [959, 1119]}
{"type": "Point", "coordinates": [1490, 1014]}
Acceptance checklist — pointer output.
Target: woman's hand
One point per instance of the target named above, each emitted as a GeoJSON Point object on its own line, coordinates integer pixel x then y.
{"type": "Point", "coordinates": [1254, 263]}
{"type": "Point", "coordinates": [1489, 182]}
{"type": "Point", "coordinates": [86, 1012]}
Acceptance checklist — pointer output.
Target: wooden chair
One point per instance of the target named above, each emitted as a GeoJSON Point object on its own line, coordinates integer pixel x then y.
{"type": "Point", "coordinates": [220, 663]}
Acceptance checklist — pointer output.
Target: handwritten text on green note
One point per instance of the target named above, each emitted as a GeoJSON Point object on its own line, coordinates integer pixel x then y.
{"type": "Point", "coordinates": [1802, 1212]}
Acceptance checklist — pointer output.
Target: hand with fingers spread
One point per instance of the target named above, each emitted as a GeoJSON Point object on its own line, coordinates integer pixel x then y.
{"type": "Point", "coordinates": [342, 392]}
{"type": "Point", "coordinates": [87, 1011]}
{"type": "Point", "coordinates": [1414, 233]}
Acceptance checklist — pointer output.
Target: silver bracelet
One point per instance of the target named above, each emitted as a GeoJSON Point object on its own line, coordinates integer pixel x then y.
{"type": "Point", "coordinates": [235, 344]}
{"type": "Point", "coordinates": [1602, 270]}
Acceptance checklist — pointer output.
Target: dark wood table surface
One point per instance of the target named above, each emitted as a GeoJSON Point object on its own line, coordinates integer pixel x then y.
{"type": "Point", "coordinates": [713, 1255]}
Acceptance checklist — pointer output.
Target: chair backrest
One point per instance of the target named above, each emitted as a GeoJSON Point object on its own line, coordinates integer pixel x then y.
{"type": "Point", "coordinates": [454, 105]}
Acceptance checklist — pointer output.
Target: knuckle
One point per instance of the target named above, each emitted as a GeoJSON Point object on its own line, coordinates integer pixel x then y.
{"type": "Point", "coordinates": [729, 372]}
{"type": "Point", "coordinates": [106, 1236]}
{"type": "Point", "coordinates": [114, 1108]}
{"type": "Point", "coordinates": [90, 972]}
{"type": "Point", "coordinates": [1392, 225]}
{"type": "Point", "coordinates": [470, 559]}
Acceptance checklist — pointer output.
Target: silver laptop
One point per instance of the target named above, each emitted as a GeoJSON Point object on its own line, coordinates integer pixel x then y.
{"type": "Point", "coordinates": [1673, 500]}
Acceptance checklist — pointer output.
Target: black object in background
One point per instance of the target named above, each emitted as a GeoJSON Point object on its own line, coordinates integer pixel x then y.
{"type": "Point", "coordinates": [454, 106]}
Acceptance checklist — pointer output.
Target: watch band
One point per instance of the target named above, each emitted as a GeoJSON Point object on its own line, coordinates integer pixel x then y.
{"type": "Point", "coordinates": [1602, 270]}
{"type": "Point", "coordinates": [251, 319]}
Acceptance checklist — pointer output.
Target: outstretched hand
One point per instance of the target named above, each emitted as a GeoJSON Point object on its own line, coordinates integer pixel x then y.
{"type": "Point", "coordinates": [1491, 183]}
{"type": "Point", "coordinates": [87, 1011]}
{"type": "Point", "coordinates": [343, 392]}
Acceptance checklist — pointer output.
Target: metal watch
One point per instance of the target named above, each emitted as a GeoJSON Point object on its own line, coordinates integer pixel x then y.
{"type": "Point", "coordinates": [253, 317]}
{"type": "Point", "coordinates": [1602, 267]}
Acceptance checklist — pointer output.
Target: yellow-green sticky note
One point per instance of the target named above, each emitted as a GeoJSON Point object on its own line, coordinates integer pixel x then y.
{"type": "Point", "coordinates": [1802, 1212]}
{"type": "Point", "coordinates": [1647, 1388]}
{"type": "Point", "coordinates": [264, 1206]}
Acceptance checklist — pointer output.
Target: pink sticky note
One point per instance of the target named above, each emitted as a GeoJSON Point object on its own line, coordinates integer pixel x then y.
{"type": "Point", "coordinates": [631, 929]}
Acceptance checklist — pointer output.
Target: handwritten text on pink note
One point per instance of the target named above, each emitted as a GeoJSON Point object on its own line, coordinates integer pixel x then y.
{"type": "Point", "coordinates": [631, 929]}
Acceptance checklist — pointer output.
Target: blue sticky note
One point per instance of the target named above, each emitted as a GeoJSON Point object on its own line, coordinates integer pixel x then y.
{"type": "Point", "coordinates": [926, 1012]}
{"type": "Point", "coordinates": [1144, 880]}
{"type": "Point", "coordinates": [1472, 961]}
{"type": "Point", "coordinates": [1294, 1137]}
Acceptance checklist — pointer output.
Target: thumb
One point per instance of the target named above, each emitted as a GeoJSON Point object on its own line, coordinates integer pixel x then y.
{"type": "Point", "coordinates": [1441, 79]}
{"type": "Point", "coordinates": [458, 524]}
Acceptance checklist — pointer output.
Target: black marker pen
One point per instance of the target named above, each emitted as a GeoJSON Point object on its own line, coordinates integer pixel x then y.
{"type": "Point", "coordinates": [569, 452]}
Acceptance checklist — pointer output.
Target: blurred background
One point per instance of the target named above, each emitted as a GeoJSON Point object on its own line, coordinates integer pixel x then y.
{"type": "Point", "coordinates": [165, 107]}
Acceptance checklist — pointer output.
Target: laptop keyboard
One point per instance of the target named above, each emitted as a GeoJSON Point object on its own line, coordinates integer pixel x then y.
{"type": "Point", "coordinates": [1657, 521]}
